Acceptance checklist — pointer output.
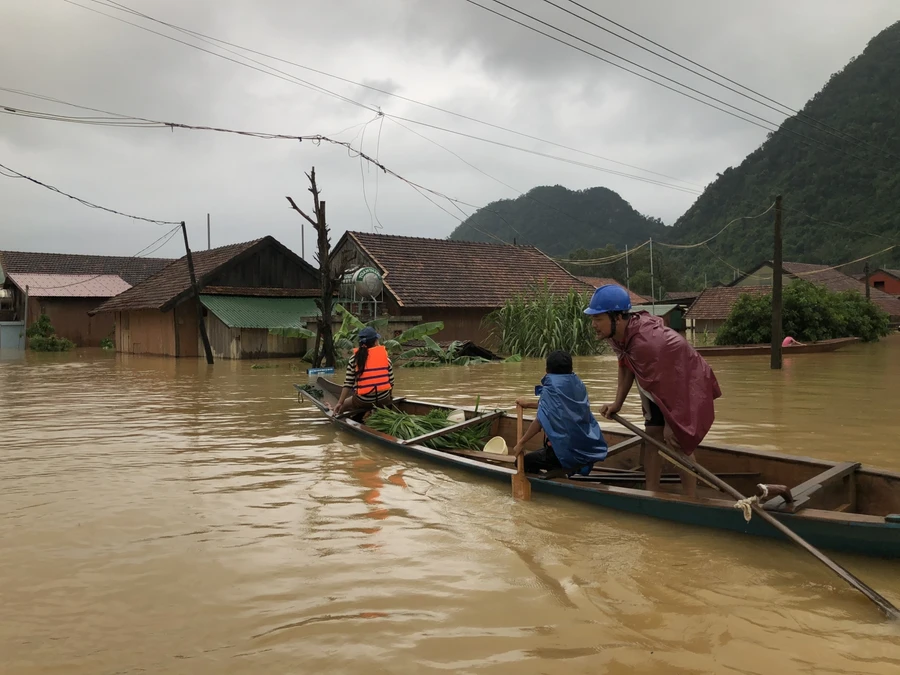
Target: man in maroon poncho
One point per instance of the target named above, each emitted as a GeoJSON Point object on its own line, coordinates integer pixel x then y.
{"type": "Point", "coordinates": [676, 385]}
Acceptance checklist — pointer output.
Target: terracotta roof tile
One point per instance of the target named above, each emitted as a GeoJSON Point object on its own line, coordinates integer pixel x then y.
{"type": "Point", "coordinates": [443, 273]}
{"type": "Point", "coordinates": [597, 282]}
{"type": "Point", "coordinates": [132, 270]}
{"type": "Point", "coordinates": [837, 281]}
{"type": "Point", "coordinates": [174, 279]}
{"type": "Point", "coordinates": [716, 303]}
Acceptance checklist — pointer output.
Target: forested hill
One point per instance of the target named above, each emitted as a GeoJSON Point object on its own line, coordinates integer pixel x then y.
{"type": "Point", "coordinates": [859, 188]}
{"type": "Point", "coordinates": [558, 220]}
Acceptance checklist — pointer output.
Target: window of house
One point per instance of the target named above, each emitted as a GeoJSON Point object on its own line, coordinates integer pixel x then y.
{"type": "Point", "coordinates": [879, 285]}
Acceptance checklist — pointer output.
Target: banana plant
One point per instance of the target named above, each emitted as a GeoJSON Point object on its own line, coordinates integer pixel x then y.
{"type": "Point", "coordinates": [432, 355]}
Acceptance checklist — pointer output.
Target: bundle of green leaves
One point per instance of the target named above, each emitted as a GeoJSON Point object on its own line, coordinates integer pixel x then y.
{"type": "Point", "coordinates": [405, 426]}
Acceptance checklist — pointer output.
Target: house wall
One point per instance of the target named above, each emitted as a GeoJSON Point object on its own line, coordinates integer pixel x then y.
{"type": "Point", "coordinates": [761, 277]}
{"type": "Point", "coordinates": [889, 284]}
{"type": "Point", "coordinates": [186, 329]}
{"type": "Point", "coordinates": [147, 331]}
{"type": "Point", "coordinates": [707, 325]}
{"type": "Point", "coordinates": [459, 324]}
{"type": "Point", "coordinates": [268, 268]}
{"type": "Point", "coordinates": [249, 343]}
{"type": "Point", "coordinates": [70, 319]}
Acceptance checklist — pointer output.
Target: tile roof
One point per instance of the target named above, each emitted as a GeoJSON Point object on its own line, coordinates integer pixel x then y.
{"type": "Point", "coordinates": [70, 285]}
{"type": "Point", "coordinates": [422, 272]}
{"type": "Point", "coordinates": [681, 295]}
{"type": "Point", "coordinates": [836, 281]}
{"type": "Point", "coordinates": [132, 270]}
{"type": "Point", "coordinates": [597, 282]}
{"type": "Point", "coordinates": [716, 303]}
{"type": "Point", "coordinates": [166, 285]}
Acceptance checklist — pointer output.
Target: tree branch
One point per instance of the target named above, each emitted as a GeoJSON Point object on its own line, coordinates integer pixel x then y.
{"type": "Point", "coordinates": [298, 210]}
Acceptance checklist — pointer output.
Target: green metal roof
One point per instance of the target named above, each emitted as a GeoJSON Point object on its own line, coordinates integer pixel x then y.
{"type": "Point", "coordinates": [659, 310]}
{"type": "Point", "coordinates": [237, 311]}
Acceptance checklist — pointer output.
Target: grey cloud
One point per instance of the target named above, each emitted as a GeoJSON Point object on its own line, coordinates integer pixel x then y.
{"type": "Point", "coordinates": [446, 53]}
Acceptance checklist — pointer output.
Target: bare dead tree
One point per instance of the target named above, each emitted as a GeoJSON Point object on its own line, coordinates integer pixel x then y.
{"type": "Point", "coordinates": [329, 274]}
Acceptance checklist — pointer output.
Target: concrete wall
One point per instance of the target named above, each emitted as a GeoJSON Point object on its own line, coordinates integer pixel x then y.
{"type": "Point", "coordinates": [889, 284]}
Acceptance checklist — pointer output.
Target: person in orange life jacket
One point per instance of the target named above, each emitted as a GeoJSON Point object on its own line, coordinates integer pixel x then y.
{"type": "Point", "coordinates": [573, 440]}
{"type": "Point", "coordinates": [676, 385]}
{"type": "Point", "coordinates": [369, 376]}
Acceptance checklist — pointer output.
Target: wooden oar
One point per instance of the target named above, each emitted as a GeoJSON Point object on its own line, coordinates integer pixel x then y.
{"type": "Point", "coordinates": [708, 476]}
{"type": "Point", "coordinates": [521, 486]}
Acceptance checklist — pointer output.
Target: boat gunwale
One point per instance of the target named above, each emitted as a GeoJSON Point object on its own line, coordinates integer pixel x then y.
{"type": "Point", "coordinates": [719, 447]}
{"type": "Point", "coordinates": [821, 515]}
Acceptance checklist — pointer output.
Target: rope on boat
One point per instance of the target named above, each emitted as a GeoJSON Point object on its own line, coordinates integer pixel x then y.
{"type": "Point", "coordinates": [746, 504]}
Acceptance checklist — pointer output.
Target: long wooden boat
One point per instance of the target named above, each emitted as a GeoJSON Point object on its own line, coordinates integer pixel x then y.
{"type": "Point", "coordinates": [753, 350]}
{"type": "Point", "coordinates": [835, 505]}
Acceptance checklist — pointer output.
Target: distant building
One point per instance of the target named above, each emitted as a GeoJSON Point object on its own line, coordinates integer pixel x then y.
{"type": "Point", "coordinates": [712, 307]}
{"type": "Point", "coordinates": [457, 282]}
{"type": "Point", "coordinates": [245, 289]}
{"type": "Point", "coordinates": [597, 282]}
{"type": "Point", "coordinates": [67, 287]}
{"type": "Point", "coordinates": [885, 280]}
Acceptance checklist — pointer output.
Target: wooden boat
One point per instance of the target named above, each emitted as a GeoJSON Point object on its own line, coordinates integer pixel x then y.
{"type": "Point", "coordinates": [753, 350]}
{"type": "Point", "coordinates": [835, 505]}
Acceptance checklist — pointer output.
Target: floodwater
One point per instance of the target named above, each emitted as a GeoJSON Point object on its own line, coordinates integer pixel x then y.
{"type": "Point", "coordinates": [161, 516]}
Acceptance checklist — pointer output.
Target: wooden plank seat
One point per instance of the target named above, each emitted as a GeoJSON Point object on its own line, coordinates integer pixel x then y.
{"type": "Point", "coordinates": [805, 491]}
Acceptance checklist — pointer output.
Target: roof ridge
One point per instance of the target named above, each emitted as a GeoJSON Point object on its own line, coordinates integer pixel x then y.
{"type": "Point", "coordinates": [447, 239]}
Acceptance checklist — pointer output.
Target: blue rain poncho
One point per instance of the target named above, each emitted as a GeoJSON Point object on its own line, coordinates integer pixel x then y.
{"type": "Point", "coordinates": [565, 415]}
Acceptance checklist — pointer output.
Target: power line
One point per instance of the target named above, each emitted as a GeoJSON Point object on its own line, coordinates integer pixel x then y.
{"type": "Point", "coordinates": [706, 241]}
{"type": "Point", "coordinates": [834, 267]}
{"type": "Point", "coordinates": [16, 174]}
{"type": "Point", "coordinates": [140, 254]}
{"type": "Point", "coordinates": [122, 7]}
{"type": "Point", "coordinates": [649, 79]}
{"type": "Point", "coordinates": [812, 123]}
{"type": "Point", "coordinates": [799, 113]}
{"type": "Point", "coordinates": [395, 118]}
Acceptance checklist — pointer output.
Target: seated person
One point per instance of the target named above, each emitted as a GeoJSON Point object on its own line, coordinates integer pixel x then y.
{"type": "Point", "coordinates": [573, 440]}
{"type": "Point", "coordinates": [369, 376]}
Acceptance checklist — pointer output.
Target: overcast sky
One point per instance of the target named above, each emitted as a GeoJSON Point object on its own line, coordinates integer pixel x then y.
{"type": "Point", "coordinates": [446, 53]}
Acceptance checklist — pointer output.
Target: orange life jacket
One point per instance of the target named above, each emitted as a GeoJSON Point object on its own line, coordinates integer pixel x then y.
{"type": "Point", "coordinates": [375, 377]}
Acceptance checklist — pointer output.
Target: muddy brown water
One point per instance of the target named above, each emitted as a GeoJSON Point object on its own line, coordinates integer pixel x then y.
{"type": "Point", "coordinates": [160, 516]}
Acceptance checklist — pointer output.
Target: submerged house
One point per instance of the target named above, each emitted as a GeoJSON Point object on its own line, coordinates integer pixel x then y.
{"type": "Point", "coordinates": [457, 282]}
{"type": "Point", "coordinates": [712, 307]}
{"type": "Point", "coordinates": [245, 289]}
{"type": "Point", "coordinates": [68, 287]}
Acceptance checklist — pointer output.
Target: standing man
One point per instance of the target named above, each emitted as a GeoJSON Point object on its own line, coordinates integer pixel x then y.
{"type": "Point", "coordinates": [676, 385]}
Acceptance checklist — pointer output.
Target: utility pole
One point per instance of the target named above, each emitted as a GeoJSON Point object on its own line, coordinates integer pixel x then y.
{"type": "Point", "coordinates": [777, 268]}
{"type": "Point", "coordinates": [190, 263]}
{"type": "Point", "coordinates": [208, 234]}
{"type": "Point", "coordinates": [652, 283]}
{"type": "Point", "coordinates": [627, 270]}
{"type": "Point", "coordinates": [867, 280]}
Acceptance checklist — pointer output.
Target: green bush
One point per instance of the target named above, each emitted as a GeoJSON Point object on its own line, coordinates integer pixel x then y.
{"type": "Point", "coordinates": [810, 313]}
{"type": "Point", "coordinates": [540, 322]}
{"type": "Point", "coordinates": [107, 343]}
{"type": "Point", "coordinates": [41, 337]}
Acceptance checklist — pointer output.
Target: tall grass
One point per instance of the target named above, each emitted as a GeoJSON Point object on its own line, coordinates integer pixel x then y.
{"type": "Point", "coordinates": [539, 322]}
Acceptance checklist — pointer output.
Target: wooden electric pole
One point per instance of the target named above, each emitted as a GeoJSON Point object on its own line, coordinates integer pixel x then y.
{"type": "Point", "coordinates": [777, 269]}
{"type": "Point", "coordinates": [867, 281]}
{"type": "Point", "coordinates": [329, 276]}
{"type": "Point", "coordinates": [190, 263]}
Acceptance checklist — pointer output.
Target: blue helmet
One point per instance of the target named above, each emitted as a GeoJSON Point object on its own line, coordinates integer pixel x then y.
{"type": "Point", "coordinates": [368, 335]}
{"type": "Point", "coordinates": [609, 298]}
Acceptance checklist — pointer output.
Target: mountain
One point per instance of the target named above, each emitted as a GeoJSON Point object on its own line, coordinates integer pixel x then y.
{"type": "Point", "coordinates": [837, 166]}
{"type": "Point", "coordinates": [558, 220]}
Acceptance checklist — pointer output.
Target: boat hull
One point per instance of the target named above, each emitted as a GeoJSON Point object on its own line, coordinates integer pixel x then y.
{"type": "Point", "coordinates": [847, 532]}
{"type": "Point", "coordinates": [756, 350]}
